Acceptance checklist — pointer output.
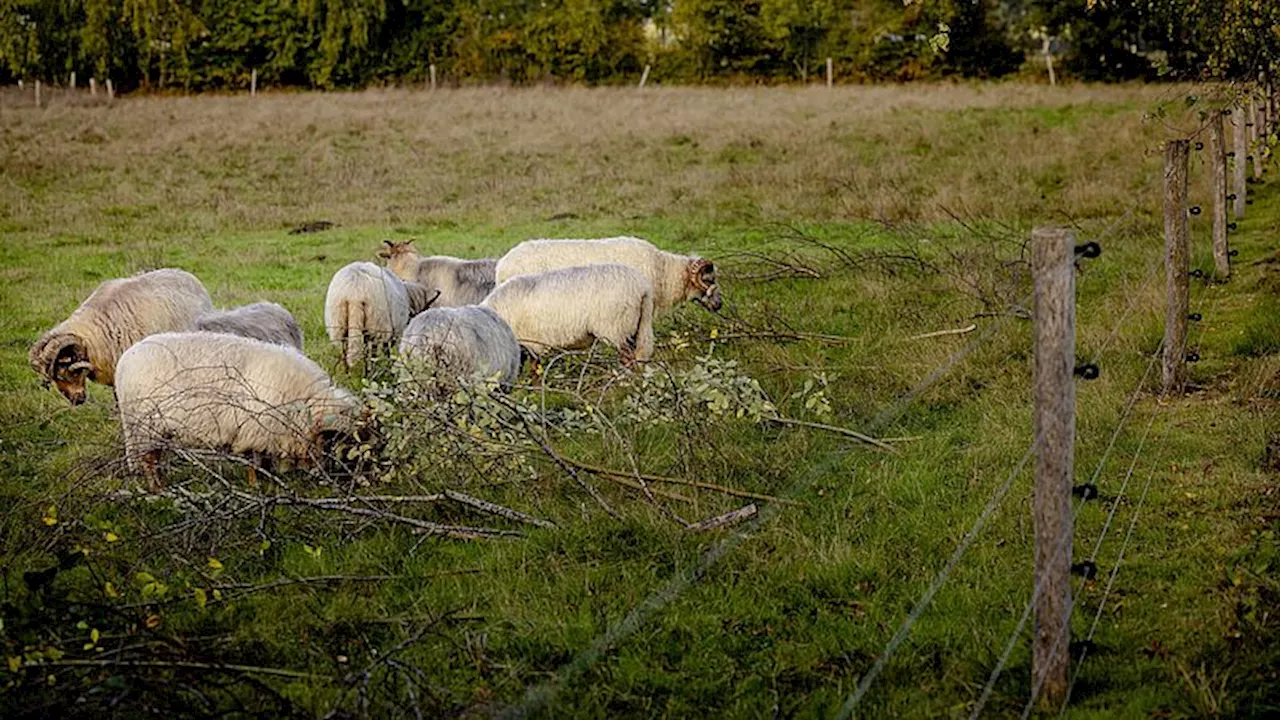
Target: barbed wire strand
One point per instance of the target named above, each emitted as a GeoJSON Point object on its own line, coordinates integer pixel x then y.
{"type": "Point", "coordinates": [537, 697]}
{"type": "Point", "coordinates": [1039, 586]}
{"type": "Point", "coordinates": [1035, 690]}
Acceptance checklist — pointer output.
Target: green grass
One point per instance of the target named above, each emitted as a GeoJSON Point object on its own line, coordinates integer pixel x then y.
{"type": "Point", "coordinates": [790, 618]}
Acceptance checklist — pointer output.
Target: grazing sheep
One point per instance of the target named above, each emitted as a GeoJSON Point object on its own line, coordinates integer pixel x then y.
{"type": "Point", "coordinates": [225, 392]}
{"type": "Point", "coordinates": [571, 307]}
{"type": "Point", "coordinates": [675, 278]}
{"type": "Point", "coordinates": [463, 341]}
{"type": "Point", "coordinates": [367, 303]}
{"type": "Point", "coordinates": [116, 315]}
{"type": "Point", "coordinates": [265, 321]}
{"type": "Point", "coordinates": [460, 282]}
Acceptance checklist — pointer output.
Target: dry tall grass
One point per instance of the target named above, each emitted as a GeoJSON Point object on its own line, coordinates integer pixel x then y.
{"type": "Point", "coordinates": [168, 165]}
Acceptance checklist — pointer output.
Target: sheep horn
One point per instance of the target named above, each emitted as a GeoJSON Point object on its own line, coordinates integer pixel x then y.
{"type": "Point", "coordinates": [81, 365]}
{"type": "Point", "coordinates": [433, 300]}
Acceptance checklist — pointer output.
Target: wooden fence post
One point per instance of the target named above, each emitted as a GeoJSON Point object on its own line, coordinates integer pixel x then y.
{"type": "Point", "coordinates": [72, 82]}
{"type": "Point", "coordinates": [1053, 266]}
{"type": "Point", "coordinates": [645, 77]}
{"type": "Point", "coordinates": [1240, 186]}
{"type": "Point", "coordinates": [1177, 263]}
{"type": "Point", "coordinates": [253, 82]}
{"type": "Point", "coordinates": [1218, 187]}
{"type": "Point", "coordinates": [111, 91]}
{"type": "Point", "coordinates": [37, 93]}
{"type": "Point", "coordinates": [830, 75]}
{"type": "Point", "coordinates": [93, 87]}
{"type": "Point", "coordinates": [1255, 136]}
{"type": "Point", "coordinates": [432, 70]}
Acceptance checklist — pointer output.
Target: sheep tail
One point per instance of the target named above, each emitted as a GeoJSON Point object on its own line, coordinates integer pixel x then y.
{"type": "Point", "coordinates": [644, 329]}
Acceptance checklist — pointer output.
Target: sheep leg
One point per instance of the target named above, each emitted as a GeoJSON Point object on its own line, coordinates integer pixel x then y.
{"type": "Point", "coordinates": [150, 463]}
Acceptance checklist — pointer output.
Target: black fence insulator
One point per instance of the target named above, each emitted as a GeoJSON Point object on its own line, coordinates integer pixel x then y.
{"type": "Point", "coordinates": [1197, 273]}
{"type": "Point", "coordinates": [1248, 201]}
{"type": "Point", "coordinates": [1195, 317]}
{"type": "Point", "coordinates": [1232, 253]}
{"type": "Point", "coordinates": [1231, 153]}
{"type": "Point", "coordinates": [1199, 146]}
{"type": "Point", "coordinates": [1082, 648]}
{"type": "Point", "coordinates": [1231, 226]}
{"type": "Point", "coordinates": [1195, 209]}
{"type": "Point", "coordinates": [1087, 569]}
{"type": "Point", "coordinates": [1227, 111]}
{"type": "Point", "coordinates": [1088, 491]}
{"type": "Point", "coordinates": [1248, 124]}
{"type": "Point", "coordinates": [1231, 196]}
{"type": "Point", "coordinates": [1248, 157]}
{"type": "Point", "coordinates": [1089, 250]}
{"type": "Point", "coordinates": [1193, 356]}
{"type": "Point", "coordinates": [1088, 371]}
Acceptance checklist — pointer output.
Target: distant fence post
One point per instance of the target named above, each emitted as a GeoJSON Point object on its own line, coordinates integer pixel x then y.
{"type": "Point", "coordinates": [93, 86]}
{"type": "Point", "coordinates": [1048, 61]}
{"type": "Point", "coordinates": [432, 70]}
{"type": "Point", "coordinates": [1177, 262]}
{"type": "Point", "coordinates": [1218, 186]}
{"type": "Point", "coordinates": [1239, 186]}
{"type": "Point", "coordinates": [1053, 266]}
{"type": "Point", "coordinates": [1255, 136]}
{"type": "Point", "coordinates": [72, 82]}
{"type": "Point", "coordinates": [37, 93]}
{"type": "Point", "coordinates": [830, 75]}
{"type": "Point", "coordinates": [644, 78]}
{"type": "Point", "coordinates": [253, 82]}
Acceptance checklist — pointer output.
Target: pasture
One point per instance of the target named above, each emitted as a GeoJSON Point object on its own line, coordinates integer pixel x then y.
{"type": "Point", "coordinates": [845, 224]}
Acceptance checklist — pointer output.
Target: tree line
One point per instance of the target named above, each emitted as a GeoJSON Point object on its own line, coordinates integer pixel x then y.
{"type": "Point", "coordinates": [215, 44]}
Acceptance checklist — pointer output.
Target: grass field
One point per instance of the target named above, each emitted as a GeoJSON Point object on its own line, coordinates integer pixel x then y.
{"type": "Point", "coordinates": [895, 211]}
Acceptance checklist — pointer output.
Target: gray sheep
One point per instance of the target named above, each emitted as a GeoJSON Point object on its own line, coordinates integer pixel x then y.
{"type": "Point", "coordinates": [460, 282]}
{"type": "Point", "coordinates": [462, 342]}
{"type": "Point", "coordinates": [265, 321]}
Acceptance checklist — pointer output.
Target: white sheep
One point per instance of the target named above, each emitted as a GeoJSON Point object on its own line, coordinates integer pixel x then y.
{"type": "Point", "coordinates": [116, 315]}
{"type": "Point", "coordinates": [571, 307]}
{"type": "Point", "coordinates": [462, 342]}
{"type": "Point", "coordinates": [224, 392]}
{"type": "Point", "coordinates": [265, 321]}
{"type": "Point", "coordinates": [675, 278]}
{"type": "Point", "coordinates": [460, 282]}
{"type": "Point", "coordinates": [367, 304]}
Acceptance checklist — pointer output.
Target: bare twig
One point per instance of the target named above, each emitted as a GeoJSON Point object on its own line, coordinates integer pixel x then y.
{"type": "Point", "coordinates": [680, 481]}
{"type": "Point", "coordinates": [838, 430]}
{"type": "Point", "coordinates": [172, 664]}
{"type": "Point", "coordinates": [940, 333]}
{"type": "Point", "coordinates": [495, 509]}
{"type": "Point", "coordinates": [730, 518]}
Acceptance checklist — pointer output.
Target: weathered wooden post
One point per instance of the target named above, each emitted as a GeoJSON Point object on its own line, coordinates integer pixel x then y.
{"type": "Point", "coordinates": [111, 91]}
{"type": "Point", "coordinates": [1053, 265]}
{"type": "Point", "coordinates": [93, 87]}
{"type": "Point", "coordinates": [1177, 264]}
{"type": "Point", "coordinates": [1255, 137]}
{"type": "Point", "coordinates": [1218, 187]}
{"type": "Point", "coordinates": [37, 93]}
{"type": "Point", "coordinates": [1239, 186]}
{"type": "Point", "coordinates": [644, 78]}
{"type": "Point", "coordinates": [253, 82]}
{"type": "Point", "coordinates": [72, 82]}
{"type": "Point", "coordinates": [830, 75]}
{"type": "Point", "coordinates": [432, 70]}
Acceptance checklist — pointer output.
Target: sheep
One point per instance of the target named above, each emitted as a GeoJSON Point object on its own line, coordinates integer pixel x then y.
{"type": "Point", "coordinates": [463, 341]}
{"type": "Point", "coordinates": [460, 282]}
{"type": "Point", "coordinates": [675, 278]}
{"type": "Point", "coordinates": [571, 307]}
{"type": "Point", "coordinates": [265, 321]}
{"type": "Point", "coordinates": [366, 300]}
{"type": "Point", "coordinates": [116, 315]}
{"type": "Point", "coordinates": [225, 392]}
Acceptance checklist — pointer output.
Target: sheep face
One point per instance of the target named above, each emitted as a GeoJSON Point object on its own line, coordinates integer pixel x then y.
{"type": "Point", "coordinates": [401, 257]}
{"type": "Point", "coordinates": [701, 286]}
{"type": "Point", "coordinates": [64, 361]}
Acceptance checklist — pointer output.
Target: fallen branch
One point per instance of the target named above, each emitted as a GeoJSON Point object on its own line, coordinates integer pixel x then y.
{"type": "Point", "coordinates": [838, 430]}
{"type": "Point", "coordinates": [680, 481]}
{"type": "Point", "coordinates": [466, 532]}
{"type": "Point", "coordinates": [730, 518]}
{"type": "Point", "coordinates": [940, 333]}
{"type": "Point", "coordinates": [495, 509]}
{"type": "Point", "coordinates": [171, 664]}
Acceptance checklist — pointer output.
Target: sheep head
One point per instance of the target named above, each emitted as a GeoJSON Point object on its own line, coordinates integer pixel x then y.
{"type": "Point", "coordinates": [700, 284]}
{"type": "Point", "coordinates": [61, 359]}
{"type": "Point", "coordinates": [420, 297]}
